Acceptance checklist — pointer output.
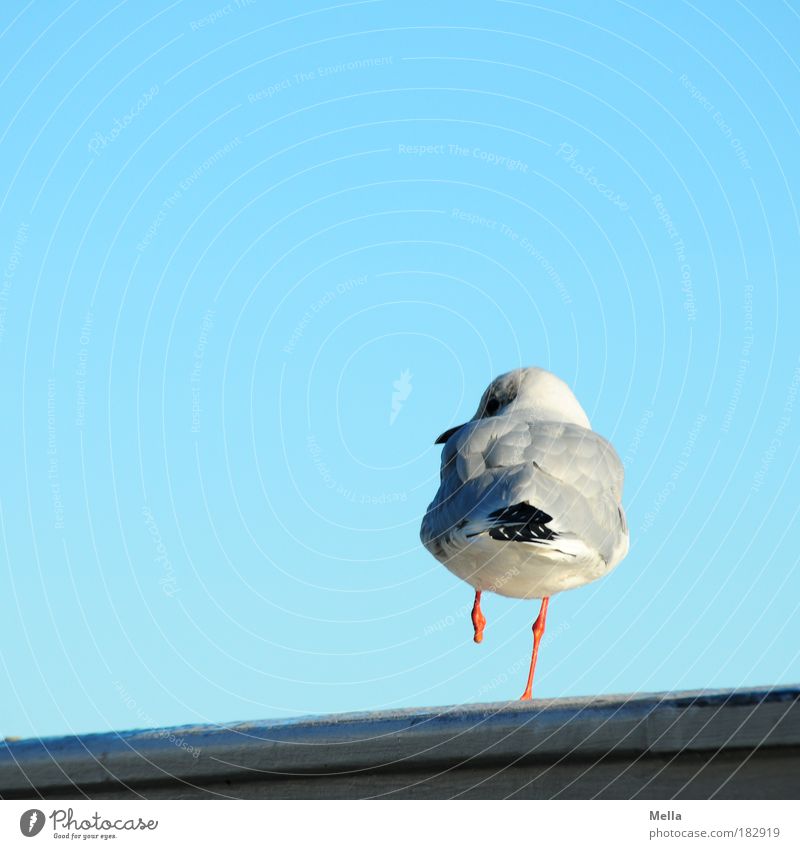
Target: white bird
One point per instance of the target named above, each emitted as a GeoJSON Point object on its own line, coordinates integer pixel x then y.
{"type": "Point", "coordinates": [529, 499]}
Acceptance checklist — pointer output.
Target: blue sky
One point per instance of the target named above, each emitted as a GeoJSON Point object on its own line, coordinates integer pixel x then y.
{"type": "Point", "coordinates": [231, 233]}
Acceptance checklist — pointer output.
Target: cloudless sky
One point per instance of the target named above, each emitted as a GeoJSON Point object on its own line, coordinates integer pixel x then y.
{"type": "Point", "coordinates": [257, 256]}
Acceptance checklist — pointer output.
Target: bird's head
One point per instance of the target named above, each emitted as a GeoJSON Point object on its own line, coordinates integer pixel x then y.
{"type": "Point", "coordinates": [534, 390]}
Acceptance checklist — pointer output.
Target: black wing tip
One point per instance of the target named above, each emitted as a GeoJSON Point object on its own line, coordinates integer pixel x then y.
{"type": "Point", "coordinates": [521, 522]}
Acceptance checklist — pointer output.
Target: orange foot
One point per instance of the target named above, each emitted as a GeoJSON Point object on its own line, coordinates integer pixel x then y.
{"type": "Point", "coordinates": [538, 631]}
{"type": "Point", "coordinates": [478, 619]}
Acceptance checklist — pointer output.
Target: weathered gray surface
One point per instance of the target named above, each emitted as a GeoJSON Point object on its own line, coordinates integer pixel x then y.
{"type": "Point", "coordinates": [739, 744]}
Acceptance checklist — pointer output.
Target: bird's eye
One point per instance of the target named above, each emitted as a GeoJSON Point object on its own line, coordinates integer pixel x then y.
{"type": "Point", "coordinates": [493, 406]}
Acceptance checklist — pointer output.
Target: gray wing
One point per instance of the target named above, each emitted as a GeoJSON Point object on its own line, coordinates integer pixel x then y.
{"type": "Point", "coordinates": [569, 476]}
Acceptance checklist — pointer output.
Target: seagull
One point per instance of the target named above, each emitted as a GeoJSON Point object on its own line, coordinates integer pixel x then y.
{"type": "Point", "coordinates": [529, 498]}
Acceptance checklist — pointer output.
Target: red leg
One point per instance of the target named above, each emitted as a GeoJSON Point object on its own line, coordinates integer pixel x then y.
{"type": "Point", "coordinates": [478, 619]}
{"type": "Point", "coordinates": [538, 630]}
